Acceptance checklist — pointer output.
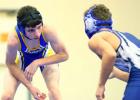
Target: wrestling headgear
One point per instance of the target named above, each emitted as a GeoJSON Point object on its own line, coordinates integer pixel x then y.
{"type": "Point", "coordinates": [32, 17]}
{"type": "Point", "coordinates": [93, 25]}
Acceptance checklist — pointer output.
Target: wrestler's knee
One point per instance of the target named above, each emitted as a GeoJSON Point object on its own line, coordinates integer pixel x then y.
{"type": "Point", "coordinates": [54, 92]}
{"type": "Point", "coordinates": [7, 96]}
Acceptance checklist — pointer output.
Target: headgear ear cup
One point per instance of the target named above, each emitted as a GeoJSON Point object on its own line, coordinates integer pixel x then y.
{"type": "Point", "coordinates": [21, 28]}
{"type": "Point", "coordinates": [89, 27]}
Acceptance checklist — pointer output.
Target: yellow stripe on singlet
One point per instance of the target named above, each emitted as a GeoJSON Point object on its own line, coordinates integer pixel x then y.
{"type": "Point", "coordinates": [17, 61]}
{"type": "Point", "coordinates": [44, 37]}
{"type": "Point", "coordinates": [50, 52]}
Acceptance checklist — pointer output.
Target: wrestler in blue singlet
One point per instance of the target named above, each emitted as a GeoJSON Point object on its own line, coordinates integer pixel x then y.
{"type": "Point", "coordinates": [92, 26]}
{"type": "Point", "coordinates": [128, 52]}
{"type": "Point", "coordinates": [28, 56]}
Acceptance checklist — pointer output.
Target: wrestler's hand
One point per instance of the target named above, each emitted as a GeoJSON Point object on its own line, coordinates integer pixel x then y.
{"type": "Point", "coordinates": [37, 94]}
{"type": "Point", "coordinates": [42, 96]}
{"type": "Point", "coordinates": [30, 70]}
{"type": "Point", "coordinates": [100, 92]}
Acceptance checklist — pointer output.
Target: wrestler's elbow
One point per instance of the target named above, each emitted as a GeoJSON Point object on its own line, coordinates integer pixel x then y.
{"type": "Point", "coordinates": [112, 55]}
{"type": "Point", "coordinates": [64, 56]}
{"type": "Point", "coordinates": [9, 63]}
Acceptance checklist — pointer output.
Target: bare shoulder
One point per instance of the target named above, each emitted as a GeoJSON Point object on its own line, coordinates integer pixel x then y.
{"type": "Point", "coordinates": [106, 36]}
{"type": "Point", "coordinates": [94, 42]}
{"type": "Point", "coordinates": [12, 47]}
{"type": "Point", "coordinates": [49, 33]}
{"type": "Point", "coordinates": [48, 29]}
{"type": "Point", "coordinates": [13, 39]}
{"type": "Point", "coordinates": [55, 41]}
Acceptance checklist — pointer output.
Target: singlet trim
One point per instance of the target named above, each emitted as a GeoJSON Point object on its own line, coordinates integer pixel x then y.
{"type": "Point", "coordinates": [44, 37]}
{"type": "Point", "coordinates": [16, 33]}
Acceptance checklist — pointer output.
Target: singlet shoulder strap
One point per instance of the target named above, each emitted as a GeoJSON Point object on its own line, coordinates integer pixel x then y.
{"type": "Point", "coordinates": [23, 47]}
{"type": "Point", "coordinates": [43, 41]}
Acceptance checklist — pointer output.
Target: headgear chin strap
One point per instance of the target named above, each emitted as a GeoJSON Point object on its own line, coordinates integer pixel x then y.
{"type": "Point", "coordinates": [93, 25]}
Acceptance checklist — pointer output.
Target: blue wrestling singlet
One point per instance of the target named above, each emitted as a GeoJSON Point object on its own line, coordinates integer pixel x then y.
{"type": "Point", "coordinates": [26, 55]}
{"type": "Point", "coordinates": [128, 53]}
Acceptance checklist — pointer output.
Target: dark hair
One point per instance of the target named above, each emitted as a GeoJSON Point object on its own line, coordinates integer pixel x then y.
{"type": "Point", "coordinates": [28, 16]}
{"type": "Point", "coordinates": [101, 12]}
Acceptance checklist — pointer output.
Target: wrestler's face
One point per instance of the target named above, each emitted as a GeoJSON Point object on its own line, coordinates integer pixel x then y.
{"type": "Point", "coordinates": [34, 32]}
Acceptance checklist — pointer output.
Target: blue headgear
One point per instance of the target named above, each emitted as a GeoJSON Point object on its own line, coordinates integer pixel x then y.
{"type": "Point", "coordinates": [31, 16]}
{"type": "Point", "coordinates": [93, 25]}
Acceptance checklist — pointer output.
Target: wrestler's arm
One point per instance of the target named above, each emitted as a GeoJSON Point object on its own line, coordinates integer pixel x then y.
{"type": "Point", "coordinates": [101, 47]}
{"type": "Point", "coordinates": [58, 47]}
{"type": "Point", "coordinates": [11, 53]}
